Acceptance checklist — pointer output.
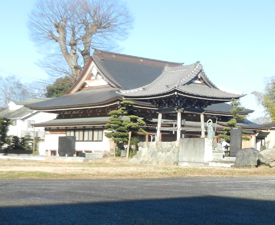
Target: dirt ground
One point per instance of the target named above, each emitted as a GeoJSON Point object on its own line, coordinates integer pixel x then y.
{"type": "Point", "coordinates": [114, 168]}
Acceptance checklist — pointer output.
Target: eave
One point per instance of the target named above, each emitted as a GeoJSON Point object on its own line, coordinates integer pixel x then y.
{"type": "Point", "coordinates": [110, 102]}
{"type": "Point", "coordinates": [72, 122]}
{"type": "Point", "coordinates": [176, 92]}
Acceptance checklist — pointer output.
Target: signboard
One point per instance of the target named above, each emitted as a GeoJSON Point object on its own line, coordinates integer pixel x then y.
{"type": "Point", "coordinates": [66, 146]}
{"type": "Point", "coordinates": [235, 140]}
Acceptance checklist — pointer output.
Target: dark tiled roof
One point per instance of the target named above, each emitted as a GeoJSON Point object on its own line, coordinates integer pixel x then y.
{"type": "Point", "coordinates": [206, 91]}
{"type": "Point", "coordinates": [82, 98]}
{"type": "Point", "coordinates": [129, 72]}
{"type": "Point", "coordinates": [249, 124]}
{"type": "Point", "coordinates": [269, 125]}
{"type": "Point", "coordinates": [263, 134]}
{"type": "Point", "coordinates": [246, 124]}
{"type": "Point", "coordinates": [120, 70]}
{"type": "Point", "coordinates": [181, 79]}
{"type": "Point", "coordinates": [224, 108]}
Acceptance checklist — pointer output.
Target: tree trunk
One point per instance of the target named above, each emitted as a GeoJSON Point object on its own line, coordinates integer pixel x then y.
{"type": "Point", "coordinates": [129, 141]}
{"type": "Point", "coordinates": [70, 57]}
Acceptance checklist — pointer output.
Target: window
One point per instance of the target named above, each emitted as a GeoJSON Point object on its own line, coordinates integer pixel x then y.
{"type": "Point", "coordinates": [98, 135]}
{"type": "Point", "coordinates": [79, 135]}
{"type": "Point", "coordinates": [70, 133]}
{"type": "Point", "coordinates": [86, 135]}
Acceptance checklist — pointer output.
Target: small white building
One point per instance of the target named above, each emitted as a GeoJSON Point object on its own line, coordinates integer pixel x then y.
{"type": "Point", "coordinates": [23, 118]}
{"type": "Point", "coordinates": [269, 141]}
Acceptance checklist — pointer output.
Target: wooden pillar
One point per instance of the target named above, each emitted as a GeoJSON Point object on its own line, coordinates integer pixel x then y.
{"type": "Point", "coordinates": [202, 126]}
{"type": "Point", "coordinates": [253, 142]}
{"type": "Point", "coordinates": [158, 127]}
{"type": "Point", "coordinates": [178, 125]}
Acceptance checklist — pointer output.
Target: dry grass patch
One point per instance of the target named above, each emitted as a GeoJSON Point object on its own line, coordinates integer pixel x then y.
{"type": "Point", "coordinates": [114, 168]}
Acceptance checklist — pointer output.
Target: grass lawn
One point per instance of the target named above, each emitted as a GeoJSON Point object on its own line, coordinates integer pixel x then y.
{"type": "Point", "coordinates": [115, 168]}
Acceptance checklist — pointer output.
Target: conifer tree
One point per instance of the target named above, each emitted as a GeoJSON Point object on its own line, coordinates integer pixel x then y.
{"type": "Point", "coordinates": [4, 127]}
{"type": "Point", "coordinates": [123, 122]}
{"type": "Point", "coordinates": [233, 122]}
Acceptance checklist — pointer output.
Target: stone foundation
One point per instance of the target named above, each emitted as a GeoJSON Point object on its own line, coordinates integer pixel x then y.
{"type": "Point", "coordinates": [157, 153]}
{"type": "Point", "coordinates": [187, 150]}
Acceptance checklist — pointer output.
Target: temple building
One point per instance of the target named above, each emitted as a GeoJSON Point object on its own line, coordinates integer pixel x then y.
{"type": "Point", "coordinates": [175, 101]}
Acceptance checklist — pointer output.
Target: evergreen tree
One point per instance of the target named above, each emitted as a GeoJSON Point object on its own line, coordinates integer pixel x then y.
{"type": "Point", "coordinates": [4, 127]}
{"type": "Point", "coordinates": [233, 122]}
{"type": "Point", "coordinates": [59, 87]}
{"type": "Point", "coordinates": [35, 143]}
{"type": "Point", "coordinates": [123, 122]}
{"type": "Point", "coordinates": [25, 142]}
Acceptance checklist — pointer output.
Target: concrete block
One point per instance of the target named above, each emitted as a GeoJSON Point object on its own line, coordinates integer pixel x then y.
{"type": "Point", "coordinates": [217, 155]}
{"type": "Point", "coordinates": [91, 156]}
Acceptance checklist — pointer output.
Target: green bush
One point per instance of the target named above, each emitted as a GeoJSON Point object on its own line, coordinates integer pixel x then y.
{"type": "Point", "coordinates": [118, 152]}
{"type": "Point", "coordinates": [132, 153]}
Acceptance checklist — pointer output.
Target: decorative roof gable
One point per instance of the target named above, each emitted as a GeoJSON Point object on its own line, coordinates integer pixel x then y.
{"type": "Point", "coordinates": [180, 84]}
{"type": "Point", "coordinates": [182, 79]}
{"type": "Point", "coordinates": [121, 71]}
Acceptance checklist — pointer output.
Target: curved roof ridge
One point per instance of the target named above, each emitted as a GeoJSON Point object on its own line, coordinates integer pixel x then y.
{"type": "Point", "coordinates": [231, 91]}
{"type": "Point", "coordinates": [207, 80]}
{"type": "Point", "coordinates": [193, 73]}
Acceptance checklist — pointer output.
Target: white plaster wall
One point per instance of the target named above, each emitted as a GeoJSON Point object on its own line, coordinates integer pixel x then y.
{"type": "Point", "coordinates": [258, 145]}
{"type": "Point", "coordinates": [39, 118]}
{"type": "Point", "coordinates": [22, 125]}
{"type": "Point", "coordinates": [16, 130]}
{"type": "Point", "coordinates": [13, 106]}
{"type": "Point", "coordinates": [41, 148]}
{"type": "Point", "coordinates": [51, 143]}
{"type": "Point", "coordinates": [42, 117]}
{"type": "Point", "coordinates": [270, 139]}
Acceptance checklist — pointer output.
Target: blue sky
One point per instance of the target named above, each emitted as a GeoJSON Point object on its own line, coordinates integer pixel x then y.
{"type": "Point", "coordinates": [234, 40]}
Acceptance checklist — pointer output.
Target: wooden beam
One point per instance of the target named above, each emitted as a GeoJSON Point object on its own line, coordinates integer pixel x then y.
{"type": "Point", "coordinates": [129, 144]}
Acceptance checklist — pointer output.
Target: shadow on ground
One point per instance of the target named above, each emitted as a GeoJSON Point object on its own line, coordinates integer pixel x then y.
{"type": "Point", "coordinates": [195, 210]}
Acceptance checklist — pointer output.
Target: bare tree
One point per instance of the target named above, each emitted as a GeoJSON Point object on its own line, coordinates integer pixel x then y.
{"type": "Point", "coordinates": [12, 89]}
{"type": "Point", "coordinates": [77, 26]}
{"type": "Point", "coordinates": [267, 97]}
{"type": "Point", "coordinates": [55, 65]}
